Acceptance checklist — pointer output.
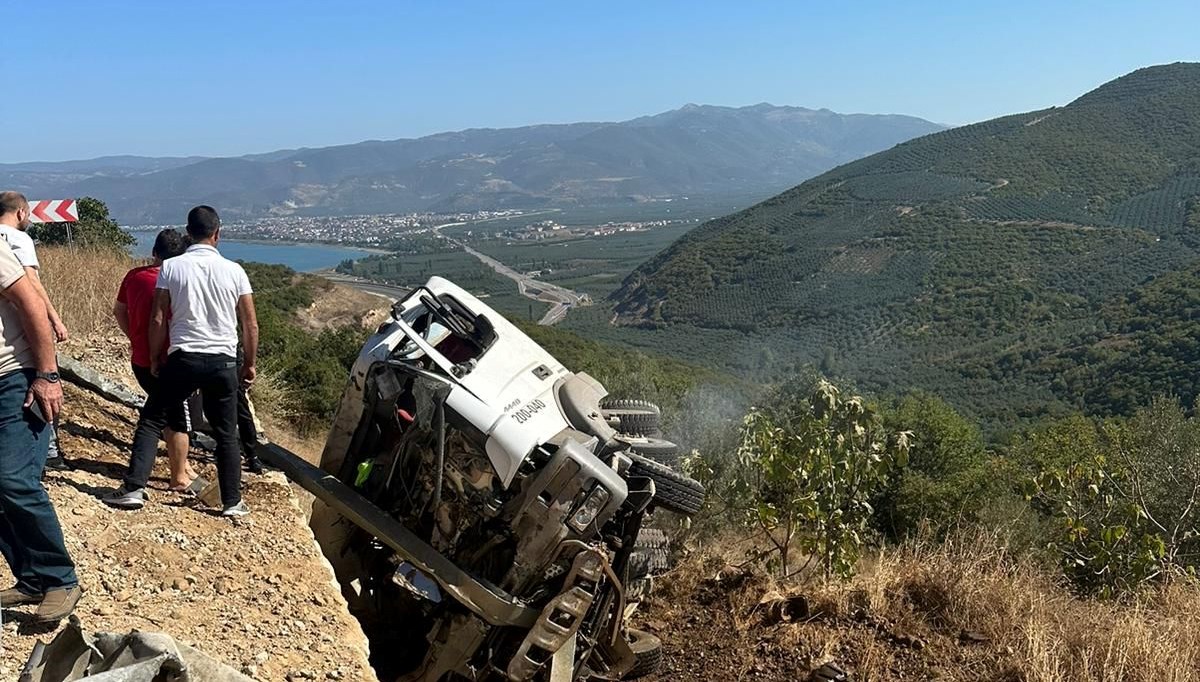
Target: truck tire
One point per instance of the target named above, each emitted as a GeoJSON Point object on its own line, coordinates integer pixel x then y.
{"type": "Point", "coordinates": [657, 449]}
{"type": "Point", "coordinates": [673, 491]}
{"type": "Point", "coordinates": [651, 554]}
{"type": "Point", "coordinates": [647, 654]}
{"type": "Point", "coordinates": [634, 417]}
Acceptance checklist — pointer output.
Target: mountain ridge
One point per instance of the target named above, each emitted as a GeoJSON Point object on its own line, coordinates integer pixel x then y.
{"type": "Point", "coordinates": [692, 150]}
{"type": "Point", "coordinates": [927, 264]}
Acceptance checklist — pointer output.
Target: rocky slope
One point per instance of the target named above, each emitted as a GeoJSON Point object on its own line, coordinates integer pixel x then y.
{"type": "Point", "coordinates": [255, 593]}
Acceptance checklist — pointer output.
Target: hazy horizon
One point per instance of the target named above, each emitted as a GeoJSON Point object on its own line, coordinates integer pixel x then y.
{"type": "Point", "coordinates": [221, 78]}
{"type": "Point", "coordinates": [254, 152]}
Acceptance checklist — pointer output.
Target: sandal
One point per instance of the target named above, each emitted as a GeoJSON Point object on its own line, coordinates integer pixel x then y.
{"type": "Point", "coordinates": [191, 489]}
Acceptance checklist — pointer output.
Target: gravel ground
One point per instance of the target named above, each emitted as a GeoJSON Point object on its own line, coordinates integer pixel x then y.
{"type": "Point", "coordinates": [254, 593]}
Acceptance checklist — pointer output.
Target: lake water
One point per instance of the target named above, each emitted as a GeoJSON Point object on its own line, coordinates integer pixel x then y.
{"type": "Point", "coordinates": [299, 257]}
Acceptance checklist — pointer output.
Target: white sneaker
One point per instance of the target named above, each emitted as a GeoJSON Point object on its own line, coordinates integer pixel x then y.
{"type": "Point", "coordinates": [239, 509]}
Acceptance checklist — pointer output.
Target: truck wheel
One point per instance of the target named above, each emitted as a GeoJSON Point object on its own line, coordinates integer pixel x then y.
{"type": "Point", "coordinates": [634, 417]}
{"type": "Point", "coordinates": [651, 553]}
{"type": "Point", "coordinates": [647, 654]}
{"type": "Point", "coordinates": [673, 491]}
{"type": "Point", "coordinates": [660, 450]}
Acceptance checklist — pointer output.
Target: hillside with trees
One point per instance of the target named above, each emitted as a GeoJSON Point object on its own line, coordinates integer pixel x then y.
{"type": "Point", "coordinates": [1009, 266]}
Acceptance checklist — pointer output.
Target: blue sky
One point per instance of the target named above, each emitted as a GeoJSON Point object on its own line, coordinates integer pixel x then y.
{"type": "Point", "coordinates": [222, 78]}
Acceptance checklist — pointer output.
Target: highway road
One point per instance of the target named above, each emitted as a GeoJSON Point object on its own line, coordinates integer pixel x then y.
{"type": "Point", "coordinates": [389, 291]}
{"type": "Point", "coordinates": [561, 299]}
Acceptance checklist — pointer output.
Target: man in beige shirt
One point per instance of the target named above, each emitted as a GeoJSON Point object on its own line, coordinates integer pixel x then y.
{"type": "Point", "coordinates": [31, 538]}
{"type": "Point", "coordinates": [15, 221]}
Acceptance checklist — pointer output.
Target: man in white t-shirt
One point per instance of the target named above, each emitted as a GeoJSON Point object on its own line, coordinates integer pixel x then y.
{"type": "Point", "coordinates": [15, 219]}
{"type": "Point", "coordinates": [204, 296]}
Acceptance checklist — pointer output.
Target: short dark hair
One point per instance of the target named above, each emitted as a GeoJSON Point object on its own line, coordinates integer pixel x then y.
{"type": "Point", "coordinates": [168, 244]}
{"type": "Point", "coordinates": [203, 222]}
{"type": "Point", "coordinates": [11, 202]}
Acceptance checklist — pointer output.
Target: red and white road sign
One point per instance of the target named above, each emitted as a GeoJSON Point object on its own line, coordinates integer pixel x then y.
{"type": "Point", "coordinates": [54, 211]}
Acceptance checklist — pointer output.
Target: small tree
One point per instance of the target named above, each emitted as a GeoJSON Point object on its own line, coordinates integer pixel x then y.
{"type": "Point", "coordinates": [947, 479]}
{"type": "Point", "coordinates": [1128, 514]}
{"type": "Point", "coordinates": [807, 469]}
{"type": "Point", "coordinates": [1103, 541]}
{"type": "Point", "coordinates": [95, 228]}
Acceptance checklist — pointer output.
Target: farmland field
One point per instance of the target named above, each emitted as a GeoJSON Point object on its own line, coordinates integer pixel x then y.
{"type": "Point", "coordinates": [595, 265]}
{"type": "Point", "coordinates": [592, 265]}
{"type": "Point", "coordinates": [458, 266]}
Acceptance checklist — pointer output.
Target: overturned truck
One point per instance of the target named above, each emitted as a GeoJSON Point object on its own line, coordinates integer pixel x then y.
{"type": "Point", "coordinates": [483, 506]}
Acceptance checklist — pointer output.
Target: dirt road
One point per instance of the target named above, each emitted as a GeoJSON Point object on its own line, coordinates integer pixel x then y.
{"type": "Point", "coordinates": [389, 291]}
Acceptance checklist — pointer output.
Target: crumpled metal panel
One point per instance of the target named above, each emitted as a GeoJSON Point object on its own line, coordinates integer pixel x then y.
{"type": "Point", "coordinates": [111, 657]}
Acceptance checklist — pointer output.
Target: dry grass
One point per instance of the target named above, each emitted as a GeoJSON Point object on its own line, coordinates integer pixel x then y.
{"type": "Point", "coordinates": [904, 616]}
{"type": "Point", "coordinates": [82, 284]}
{"type": "Point", "coordinates": [278, 401]}
{"type": "Point", "coordinates": [1042, 632]}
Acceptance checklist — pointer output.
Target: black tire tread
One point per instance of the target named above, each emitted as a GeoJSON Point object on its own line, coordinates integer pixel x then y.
{"type": "Point", "coordinates": [634, 417]}
{"type": "Point", "coordinates": [674, 491]}
{"type": "Point", "coordinates": [647, 654]}
{"type": "Point", "coordinates": [651, 553]}
{"type": "Point", "coordinates": [629, 404]}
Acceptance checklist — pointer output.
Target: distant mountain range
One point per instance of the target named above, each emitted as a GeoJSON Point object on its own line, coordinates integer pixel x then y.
{"type": "Point", "coordinates": [694, 150]}
{"type": "Point", "coordinates": [1037, 263]}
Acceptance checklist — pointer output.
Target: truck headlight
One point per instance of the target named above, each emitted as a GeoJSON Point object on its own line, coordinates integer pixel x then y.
{"type": "Point", "coordinates": [591, 507]}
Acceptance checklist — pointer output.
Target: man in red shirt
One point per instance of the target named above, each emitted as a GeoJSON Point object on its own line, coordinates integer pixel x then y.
{"type": "Point", "coordinates": [132, 310]}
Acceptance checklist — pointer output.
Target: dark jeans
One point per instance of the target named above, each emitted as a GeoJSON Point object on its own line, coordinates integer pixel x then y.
{"type": "Point", "coordinates": [216, 378]}
{"type": "Point", "coordinates": [247, 431]}
{"type": "Point", "coordinates": [31, 538]}
{"type": "Point", "coordinates": [177, 415]}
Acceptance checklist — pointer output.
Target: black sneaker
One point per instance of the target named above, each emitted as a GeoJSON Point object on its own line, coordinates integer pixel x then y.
{"type": "Point", "coordinates": [57, 464]}
{"type": "Point", "coordinates": [124, 498]}
{"type": "Point", "coordinates": [254, 465]}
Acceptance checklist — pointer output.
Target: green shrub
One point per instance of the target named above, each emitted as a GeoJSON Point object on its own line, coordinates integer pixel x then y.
{"type": "Point", "coordinates": [806, 470]}
{"type": "Point", "coordinates": [947, 479]}
{"type": "Point", "coordinates": [1125, 499]}
{"type": "Point", "coordinates": [311, 368]}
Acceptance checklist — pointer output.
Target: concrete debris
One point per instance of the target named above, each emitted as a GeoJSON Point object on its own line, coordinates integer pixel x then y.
{"type": "Point", "coordinates": [87, 378]}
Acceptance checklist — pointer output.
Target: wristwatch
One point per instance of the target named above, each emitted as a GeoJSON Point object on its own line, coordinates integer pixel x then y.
{"type": "Point", "coordinates": [52, 377]}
